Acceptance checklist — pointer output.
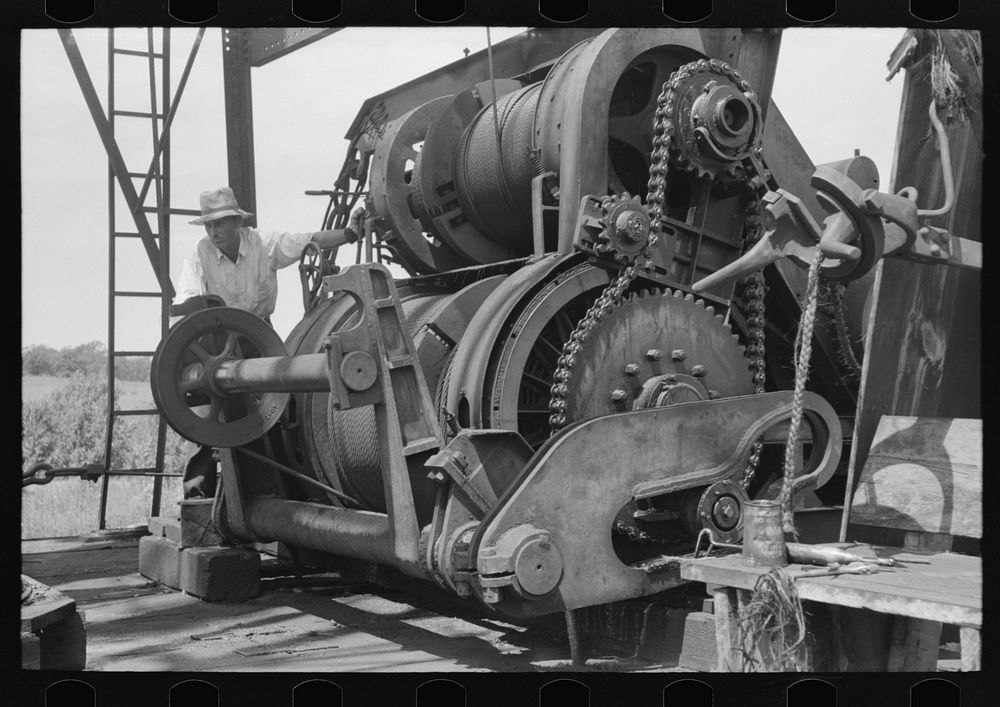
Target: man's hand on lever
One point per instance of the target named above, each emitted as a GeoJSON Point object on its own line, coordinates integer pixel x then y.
{"type": "Point", "coordinates": [335, 238]}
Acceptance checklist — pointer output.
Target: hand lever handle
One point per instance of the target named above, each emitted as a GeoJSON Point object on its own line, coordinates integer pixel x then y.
{"type": "Point", "coordinates": [791, 233]}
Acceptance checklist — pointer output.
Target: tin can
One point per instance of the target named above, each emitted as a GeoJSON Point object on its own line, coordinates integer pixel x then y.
{"type": "Point", "coordinates": [763, 539]}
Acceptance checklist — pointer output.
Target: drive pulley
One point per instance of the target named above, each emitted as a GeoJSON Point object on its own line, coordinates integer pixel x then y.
{"type": "Point", "coordinates": [195, 371]}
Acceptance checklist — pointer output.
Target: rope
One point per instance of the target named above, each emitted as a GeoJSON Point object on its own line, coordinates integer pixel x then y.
{"type": "Point", "coordinates": [772, 627]}
{"type": "Point", "coordinates": [803, 352]}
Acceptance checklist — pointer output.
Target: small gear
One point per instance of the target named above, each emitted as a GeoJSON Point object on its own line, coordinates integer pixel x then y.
{"type": "Point", "coordinates": [716, 118]}
{"type": "Point", "coordinates": [625, 227]}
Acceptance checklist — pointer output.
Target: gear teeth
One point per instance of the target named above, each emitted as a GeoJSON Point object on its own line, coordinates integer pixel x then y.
{"type": "Point", "coordinates": [678, 293]}
{"type": "Point", "coordinates": [689, 297]}
{"type": "Point", "coordinates": [700, 302]}
{"type": "Point", "coordinates": [710, 308]}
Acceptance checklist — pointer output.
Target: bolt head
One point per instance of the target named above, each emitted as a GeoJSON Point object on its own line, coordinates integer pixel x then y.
{"type": "Point", "coordinates": [698, 371]}
{"type": "Point", "coordinates": [654, 355]}
{"type": "Point", "coordinates": [678, 354]}
{"type": "Point", "coordinates": [631, 369]}
{"type": "Point", "coordinates": [713, 394]}
{"type": "Point", "coordinates": [618, 395]}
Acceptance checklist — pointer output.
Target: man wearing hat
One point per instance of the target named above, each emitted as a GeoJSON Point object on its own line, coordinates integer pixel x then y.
{"type": "Point", "coordinates": [239, 265]}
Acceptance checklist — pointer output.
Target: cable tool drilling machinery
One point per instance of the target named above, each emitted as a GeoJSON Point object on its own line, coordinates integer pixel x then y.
{"type": "Point", "coordinates": [543, 416]}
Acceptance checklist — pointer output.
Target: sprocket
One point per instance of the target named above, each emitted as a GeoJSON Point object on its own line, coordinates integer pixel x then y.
{"type": "Point", "coordinates": [716, 119]}
{"type": "Point", "coordinates": [658, 347]}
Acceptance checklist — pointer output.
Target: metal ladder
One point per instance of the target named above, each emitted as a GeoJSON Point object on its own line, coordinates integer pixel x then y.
{"type": "Point", "coordinates": [159, 177]}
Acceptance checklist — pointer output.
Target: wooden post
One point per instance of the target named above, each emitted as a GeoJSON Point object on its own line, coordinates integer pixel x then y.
{"type": "Point", "coordinates": [922, 347]}
{"type": "Point", "coordinates": [970, 646]}
{"type": "Point", "coordinates": [727, 629]}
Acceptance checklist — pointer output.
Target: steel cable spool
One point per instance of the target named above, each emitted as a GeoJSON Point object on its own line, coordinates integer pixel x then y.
{"type": "Point", "coordinates": [394, 168]}
{"type": "Point", "coordinates": [494, 187]}
{"type": "Point", "coordinates": [354, 434]}
{"type": "Point", "coordinates": [433, 187]}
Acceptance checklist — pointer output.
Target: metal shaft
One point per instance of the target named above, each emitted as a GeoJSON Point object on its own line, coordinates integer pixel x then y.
{"type": "Point", "coordinates": [360, 534]}
{"type": "Point", "coordinates": [278, 374]}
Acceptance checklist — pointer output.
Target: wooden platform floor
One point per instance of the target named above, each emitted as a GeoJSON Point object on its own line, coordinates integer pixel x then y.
{"type": "Point", "coordinates": [319, 624]}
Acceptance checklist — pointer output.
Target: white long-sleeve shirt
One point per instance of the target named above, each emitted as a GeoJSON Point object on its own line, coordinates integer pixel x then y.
{"type": "Point", "coordinates": [251, 283]}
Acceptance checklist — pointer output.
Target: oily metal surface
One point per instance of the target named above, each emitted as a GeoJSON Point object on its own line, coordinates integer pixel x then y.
{"type": "Point", "coordinates": [673, 341]}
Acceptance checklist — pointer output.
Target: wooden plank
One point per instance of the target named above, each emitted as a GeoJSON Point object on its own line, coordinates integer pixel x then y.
{"type": "Point", "coordinates": [64, 644]}
{"type": "Point", "coordinates": [47, 607]}
{"type": "Point", "coordinates": [923, 474]}
{"type": "Point", "coordinates": [915, 644]}
{"type": "Point", "coordinates": [970, 643]}
{"type": "Point", "coordinates": [727, 636]}
{"type": "Point", "coordinates": [950, 592]}
{"type": "Point", "coordinates": [861, 639]}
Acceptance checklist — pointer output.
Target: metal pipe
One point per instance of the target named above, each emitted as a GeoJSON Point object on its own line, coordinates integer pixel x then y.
{"type": "Point", "coordinates": [306, 373]}
{"type": "Point", "coordinates": [949, 179]}
{"type": "Point", "coordinates": [537, 220]}
{"type": "Point", "coordinates": [352, 533]}
{"type": "Point", "coordinates": [295, 474]}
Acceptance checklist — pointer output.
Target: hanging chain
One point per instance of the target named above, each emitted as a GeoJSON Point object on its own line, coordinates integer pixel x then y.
{"type": "Point", "coordinates": [754, 293]}
{"type": "Point", "coordinates": [838, 291]}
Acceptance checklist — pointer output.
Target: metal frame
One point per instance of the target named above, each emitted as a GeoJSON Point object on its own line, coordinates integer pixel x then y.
{"type": "Point", "coordinates": [157, 245]}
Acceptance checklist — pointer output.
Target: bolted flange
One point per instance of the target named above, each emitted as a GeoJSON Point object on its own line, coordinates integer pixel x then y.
{"type": "Point", "coordinates": [524, 558]}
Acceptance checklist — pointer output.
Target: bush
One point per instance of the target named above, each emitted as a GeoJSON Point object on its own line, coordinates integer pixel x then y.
{"type": "Point", "coordinates": [67, 428]}
{"type": "Point", "coordinates": [89, 359]}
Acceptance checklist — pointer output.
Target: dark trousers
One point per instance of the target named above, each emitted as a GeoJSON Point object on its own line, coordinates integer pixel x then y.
{"type": "Point", "coordinates": [201, 475]}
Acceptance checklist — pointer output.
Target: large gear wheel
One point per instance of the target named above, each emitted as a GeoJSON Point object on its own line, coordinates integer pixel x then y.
{"type": "Point", "coordinates": [657, 348]}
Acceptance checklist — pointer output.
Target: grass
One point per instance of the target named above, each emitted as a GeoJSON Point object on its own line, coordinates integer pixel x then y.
{"type": "Point", "coordinates": [63, 423]}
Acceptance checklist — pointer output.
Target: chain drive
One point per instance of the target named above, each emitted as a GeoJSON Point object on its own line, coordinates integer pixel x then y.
{"type": "Point", "coordinates": [754, 293]}
{"type": "Point", "coordinates": [611, 297]}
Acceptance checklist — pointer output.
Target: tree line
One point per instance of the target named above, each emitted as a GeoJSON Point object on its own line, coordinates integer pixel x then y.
{"type": "Point", "coordinates": [90, 359]}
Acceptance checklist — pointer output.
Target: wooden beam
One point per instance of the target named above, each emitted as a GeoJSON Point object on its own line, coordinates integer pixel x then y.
{"type": "Point", "coordinates": [923, 340]}
{"type": "Point", "coordinates": [239, 119]}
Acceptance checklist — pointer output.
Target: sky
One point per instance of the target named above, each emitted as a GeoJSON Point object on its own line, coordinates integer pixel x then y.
{"type": "Point", "coordinates": [829, 84]}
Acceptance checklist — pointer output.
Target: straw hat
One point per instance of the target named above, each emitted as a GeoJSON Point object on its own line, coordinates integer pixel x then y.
{"type": "Point", "coordinates": [219, 203]}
